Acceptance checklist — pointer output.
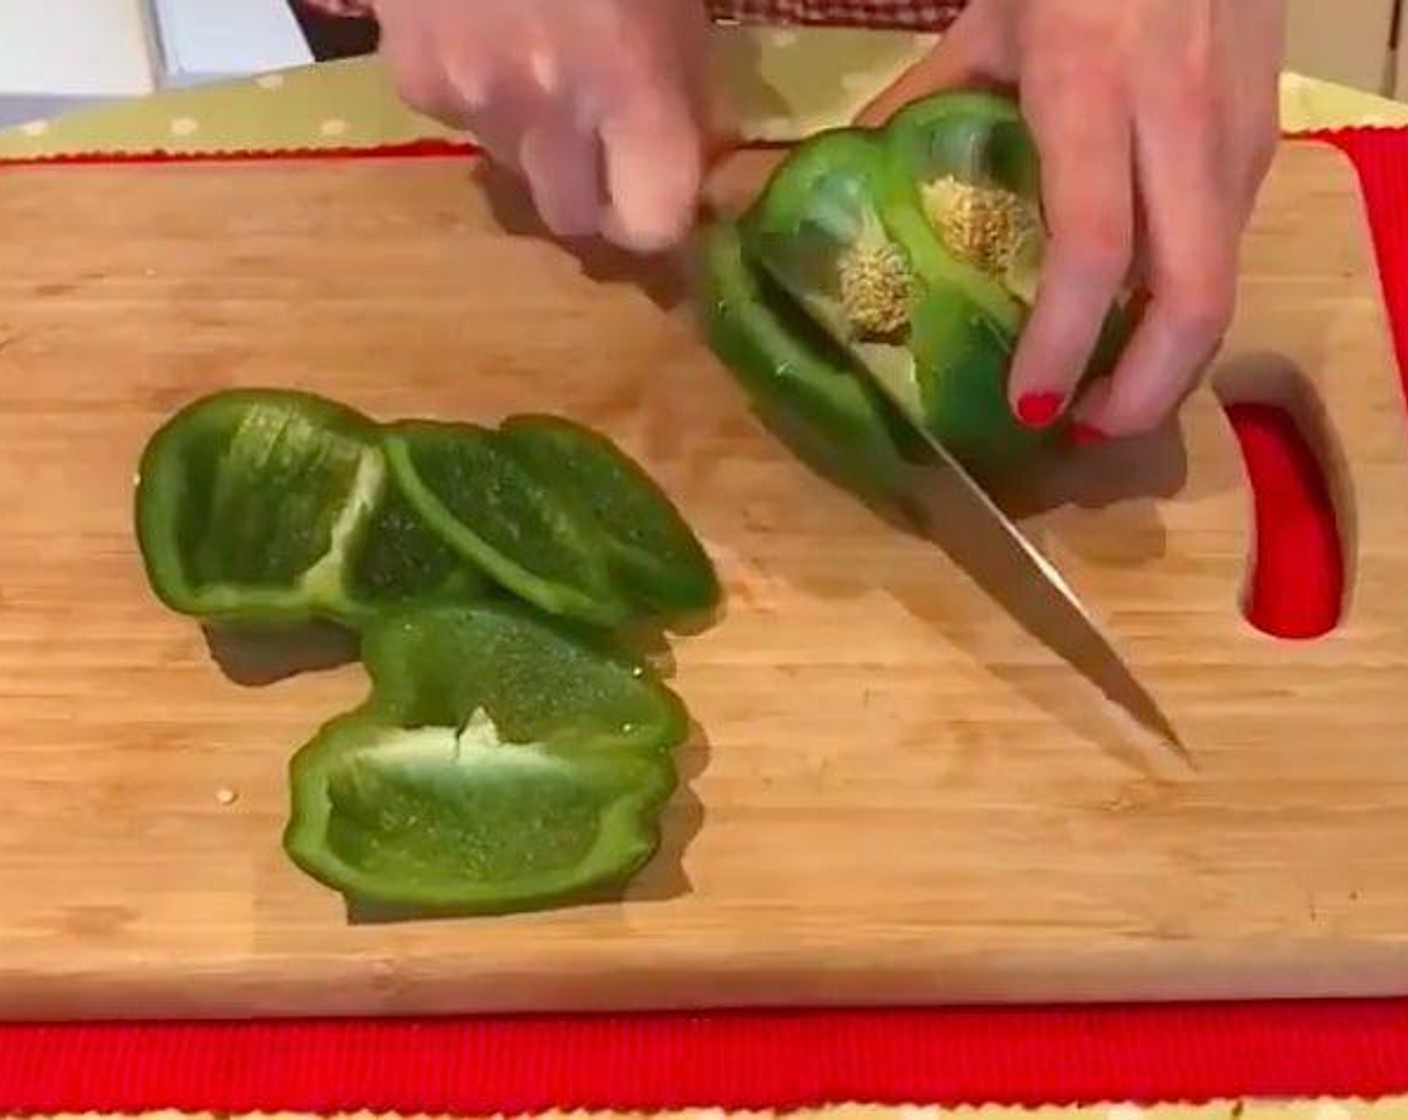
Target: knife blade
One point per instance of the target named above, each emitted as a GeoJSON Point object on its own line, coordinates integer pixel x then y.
{"type": "Point", "coordinates": [980, 537]}
{"type": "Point", "coordinates": [987, 545]}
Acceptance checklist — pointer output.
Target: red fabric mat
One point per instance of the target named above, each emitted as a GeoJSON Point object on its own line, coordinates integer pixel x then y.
{"type": "Point", "coordinates": [782, 1061]}
{"type": "Point", "coordinates": [1031, 1056]}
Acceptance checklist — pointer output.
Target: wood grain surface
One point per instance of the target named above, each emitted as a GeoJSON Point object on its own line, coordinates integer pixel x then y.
{"type": "Point", "coordinates": [895, 794]}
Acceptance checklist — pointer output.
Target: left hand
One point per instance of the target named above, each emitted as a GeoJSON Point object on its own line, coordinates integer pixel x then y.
{"type": "Point", "coordinates": [1156, 122]}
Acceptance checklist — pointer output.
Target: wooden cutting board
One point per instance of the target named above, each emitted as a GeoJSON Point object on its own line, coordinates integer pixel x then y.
{"type": "Point", "coordinates": [895, 793]}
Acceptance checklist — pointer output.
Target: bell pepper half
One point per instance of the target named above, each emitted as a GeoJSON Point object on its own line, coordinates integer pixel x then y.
{"type": "Point", "coordinates": [271, 506]}
{"type": "Point", "coordinates": [503, 761]}
{"type": "Point", "coordinates": [916, 248]}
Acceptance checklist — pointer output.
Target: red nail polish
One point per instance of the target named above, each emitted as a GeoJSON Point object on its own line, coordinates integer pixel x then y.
{"type": "Point", "coordinates": [1083, 434]}
{"type": "Point", "coordinates": [1036, 410]}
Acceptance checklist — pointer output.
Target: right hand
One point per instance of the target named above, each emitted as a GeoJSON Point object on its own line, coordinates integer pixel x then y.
{"type": "Point", "coordinates": [599, 105]}
{"type": "Point", "coordinates": [1157, 121]}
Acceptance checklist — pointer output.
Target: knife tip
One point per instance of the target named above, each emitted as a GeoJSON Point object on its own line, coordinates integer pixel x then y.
{"type": "Point", "coordinates": [1158, 727]}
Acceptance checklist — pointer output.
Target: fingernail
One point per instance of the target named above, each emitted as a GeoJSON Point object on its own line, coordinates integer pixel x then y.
{"type": "Point", "coordinates": [1036, 410]}
{"type": "Point", "coordinates": [1083, 434]}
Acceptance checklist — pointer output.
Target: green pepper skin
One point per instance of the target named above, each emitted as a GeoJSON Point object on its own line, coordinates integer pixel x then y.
{"type": "Point", "coordinates": [850, 193]}
{"type": "Point", "coordinates": [977, 135]}
{"type": "Point", "coordinates": [948, 368]}
{"type": "Point", "coordinates": [402, 561]}
{"type": "Point", "coordinates": [501, 763]}
{"type": "Point", "coordinates": [657, 558]}
{"type": "Point", "coordinates": [827, 196]}
{"type": "Point", "coordinates": [274, 507]}
{"type": "Point", "coordinates": [466, 483]}
{"type": "Point", "coordinates": [801, 384]}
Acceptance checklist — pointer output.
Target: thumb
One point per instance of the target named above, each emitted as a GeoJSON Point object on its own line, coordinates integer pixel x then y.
{"type": "Point", "coordinates": [970, 54]}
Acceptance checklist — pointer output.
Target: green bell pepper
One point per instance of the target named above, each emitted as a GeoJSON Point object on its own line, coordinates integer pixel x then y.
{"type": "Point", "coordinates": [502, 762]}
{"type": "Point", "coordinates": [276, 506]}
{"type": "Point", "coordinates": [498, 513]}
{"type": "Point", "coordinates": [799, 381]}
{"type": "Point", "coordinates": [556, 514]}
{"type": "Point", "coordinates": [272, 506]}
{"type": "Point", "coordinates": [916, 247]}
{"type": "Point", "coordinates": [654, 553]}
{"type": "Point", "coordinates": [505, 759]}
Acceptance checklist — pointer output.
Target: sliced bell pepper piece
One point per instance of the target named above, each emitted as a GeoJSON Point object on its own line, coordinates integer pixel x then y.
{"type": "Point", "coordinates": [917, 247]}
{"type": "Point", "coordinates": [401, 560]}
{"type": "Point", "coordinates": [502, 762]}
{"type": "Point", "coordinates": [467, 484]}
{"type": "Point", "coordinates": [656, 555]}
{"type": "Point", "coordinates": [799, 381]}
{"type": "Point", "coordinates": [271, 506]}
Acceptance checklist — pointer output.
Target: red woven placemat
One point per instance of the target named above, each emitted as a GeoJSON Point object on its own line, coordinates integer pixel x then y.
{"type": "Point", "coordinates": [782, 1061]}
{"type": "Point", "coordinates": [483, 1067]}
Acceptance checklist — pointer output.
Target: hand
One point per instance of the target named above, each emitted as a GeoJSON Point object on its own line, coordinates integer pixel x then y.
{"type": "Point", "coordinates": [1156, 121]}
{"type": "Point", "coordinates": [597, 104]}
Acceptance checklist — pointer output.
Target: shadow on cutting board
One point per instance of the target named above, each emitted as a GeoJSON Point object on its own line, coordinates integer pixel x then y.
{"type": "Point", "coordinates": [259, 658]}
{"type": "Point", "coordinates": [659, 277]}
{"type": "Point", "coordinates": [1125, 480]}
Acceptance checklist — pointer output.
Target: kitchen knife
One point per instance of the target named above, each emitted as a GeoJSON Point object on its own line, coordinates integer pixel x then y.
{"type": "Point", "coordinates": [977, 534]}
{"type": "Point", "coordinates": [984, 541]}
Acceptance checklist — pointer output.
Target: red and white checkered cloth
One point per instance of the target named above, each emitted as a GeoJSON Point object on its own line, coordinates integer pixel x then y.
{"type": "Point", "coordinates": [926, 15]}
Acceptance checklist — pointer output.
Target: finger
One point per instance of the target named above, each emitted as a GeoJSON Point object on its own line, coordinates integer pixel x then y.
{"type": "Point", "coordinates": [682, 33]}
{"type": "Point", "coordinates": [559, 159]}
{"type": "Point", "coordinates": [1179, 333]}
{"type": "Point", "coordinates": [502, 74]}
{"type": "Point", "coordinates": [509, 106]}
{"type": "Point", "coordinates": [652, 153]}
{"type": "Point", "coordinates": [1260, 141]}
{"type": "Point", "coordinates": [1157, 372]}
{"type": "Point", "coordinates": [1253, 131]}
{"type": "Point", "coordinates": [415, 65]}
{"type": "Point", "coordinates": [644, 98]}
{"type": "Point", "coordinates": [970, 53]}
{"type": "Point", "coordinates": [1083, 134]}
{"type": "Point", "coordinates": [1250, 45]}
{"type": "Point", "coordinates": [1192, 269]}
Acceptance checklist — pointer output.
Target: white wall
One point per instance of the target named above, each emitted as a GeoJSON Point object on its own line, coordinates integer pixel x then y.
{"type": "Point", "coordinates": [1345, 41]}
{"type": "Point", "coordinates": [207, 40]}
{"type": "Point", "coordinates": [57, 55]}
